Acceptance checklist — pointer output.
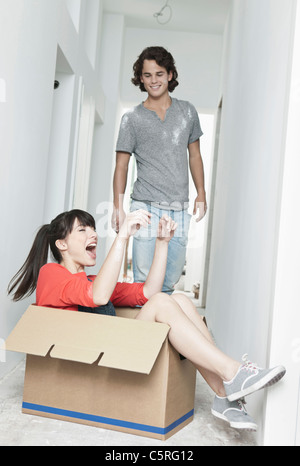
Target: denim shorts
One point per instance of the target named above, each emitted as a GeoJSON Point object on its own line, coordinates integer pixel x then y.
{"type": "Point", "coordinates": [106, 309]}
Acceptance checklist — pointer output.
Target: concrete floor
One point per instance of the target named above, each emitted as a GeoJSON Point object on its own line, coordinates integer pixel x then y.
{"type": "Point", "coordinates": [17, 429]}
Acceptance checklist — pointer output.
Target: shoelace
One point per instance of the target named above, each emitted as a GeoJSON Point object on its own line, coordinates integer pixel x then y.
{"type": "Point", "coordinates": [248, 365]}
{"type": "Point", "coordinates": [242, 404]}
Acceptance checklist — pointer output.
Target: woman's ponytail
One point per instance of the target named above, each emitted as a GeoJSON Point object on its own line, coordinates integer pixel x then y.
{"type": "Point", "coordinates": [25, 280]}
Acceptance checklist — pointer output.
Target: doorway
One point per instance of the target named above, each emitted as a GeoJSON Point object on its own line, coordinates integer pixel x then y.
{"type": "Point", "coordinates": [195, 278]}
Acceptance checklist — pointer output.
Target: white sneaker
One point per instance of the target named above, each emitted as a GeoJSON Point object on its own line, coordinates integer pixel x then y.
{"type": "Point", "coordinates": [233, 412]}
{"type": "Point", "coordinates": [251, 378]}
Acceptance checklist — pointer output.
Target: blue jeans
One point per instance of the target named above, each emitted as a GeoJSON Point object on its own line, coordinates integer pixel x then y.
{"type": "Point", "coordinates": [106, 309]}
{"type": "Point", "coordinates": [144, 245]}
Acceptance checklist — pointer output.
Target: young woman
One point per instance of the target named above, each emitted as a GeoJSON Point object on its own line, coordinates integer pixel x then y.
{"type": "Point", "coordinates": [64, 284]}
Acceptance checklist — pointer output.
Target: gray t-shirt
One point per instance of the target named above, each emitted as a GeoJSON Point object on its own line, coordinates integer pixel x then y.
{"type": "Point", "coordinates": [160, 148]}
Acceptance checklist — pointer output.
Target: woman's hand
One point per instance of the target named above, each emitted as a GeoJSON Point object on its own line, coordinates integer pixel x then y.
{"type": "Point", "coordinates": [166, 228]}
{"type": "Point", "coordinates": [133, 222]}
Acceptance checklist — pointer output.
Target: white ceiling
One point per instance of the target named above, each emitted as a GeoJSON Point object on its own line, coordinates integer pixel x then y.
{"type": "Point", "coordinates": [207, 16]}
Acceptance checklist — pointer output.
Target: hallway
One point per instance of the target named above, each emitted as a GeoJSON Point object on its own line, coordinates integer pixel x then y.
{"type": "Point", "coordinates": [239, 62]}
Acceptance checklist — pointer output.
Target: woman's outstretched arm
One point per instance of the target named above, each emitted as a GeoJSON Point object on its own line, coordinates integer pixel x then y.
{"type": "Point", "coordinates": [156, 276]}
{"type": "Point", "coordinates": [107, 277]}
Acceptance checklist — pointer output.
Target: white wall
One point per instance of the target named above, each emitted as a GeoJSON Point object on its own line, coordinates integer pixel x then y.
{"type": "Point", "coordinates": [282, 407]}
{"type": "Point", "coordinates": [32, 153]}
{"type": "Point", "coordinates": [249, 178]}
{"type": "Point", "coordinates": [25, 122]}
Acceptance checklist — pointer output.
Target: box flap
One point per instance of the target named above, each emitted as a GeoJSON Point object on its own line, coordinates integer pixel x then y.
{"type": "Point", "coordinates": [113, 342]}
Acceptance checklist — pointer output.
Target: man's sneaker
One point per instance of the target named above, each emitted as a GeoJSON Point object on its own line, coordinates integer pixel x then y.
{"type": "Point", "coordinates": [251, 378]}
{"type": "Point", "coordinates": [233, 412]}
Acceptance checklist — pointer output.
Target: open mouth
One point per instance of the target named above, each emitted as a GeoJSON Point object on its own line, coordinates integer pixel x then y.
{"type": "Point", "coordinates": [91, 250]}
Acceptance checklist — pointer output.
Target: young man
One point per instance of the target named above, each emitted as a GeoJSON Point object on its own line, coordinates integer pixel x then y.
{"type": "Point", "coordinates": [159, 132]}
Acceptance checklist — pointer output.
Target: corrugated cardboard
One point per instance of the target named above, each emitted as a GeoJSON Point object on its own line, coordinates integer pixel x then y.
{"type": "Point", "coordinates": [111, 372]}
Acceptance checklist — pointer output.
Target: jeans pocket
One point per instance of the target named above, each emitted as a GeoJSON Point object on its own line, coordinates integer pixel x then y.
{"type": "Point", "coordinates": [183, 220]}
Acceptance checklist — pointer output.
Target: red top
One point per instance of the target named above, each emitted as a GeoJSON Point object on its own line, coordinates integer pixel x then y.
{"type": "Point", "coordinates": [59, 288]}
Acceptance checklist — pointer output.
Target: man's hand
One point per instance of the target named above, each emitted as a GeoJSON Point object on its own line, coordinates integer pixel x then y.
{"type": "Point", "coordinates": [117, 219]}
{"type": "Point", "coordinates": [200, 207]}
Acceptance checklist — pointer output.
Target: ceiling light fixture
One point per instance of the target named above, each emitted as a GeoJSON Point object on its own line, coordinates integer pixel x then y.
{"type": "Point", "coordinates": [160, 14]}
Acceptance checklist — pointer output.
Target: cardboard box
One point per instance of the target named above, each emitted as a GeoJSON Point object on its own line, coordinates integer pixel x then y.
{"type": "Point", "coordinates": [111, 372]}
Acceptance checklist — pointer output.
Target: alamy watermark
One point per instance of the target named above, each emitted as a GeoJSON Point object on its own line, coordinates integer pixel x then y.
{"type": "Point", "coordinates": [105, 212]}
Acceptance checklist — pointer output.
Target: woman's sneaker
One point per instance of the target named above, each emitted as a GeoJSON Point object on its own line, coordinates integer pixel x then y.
{"type": "Point", "coordinates": [233, 412]}
{"type": "Point", "coordinates": [251, 378]}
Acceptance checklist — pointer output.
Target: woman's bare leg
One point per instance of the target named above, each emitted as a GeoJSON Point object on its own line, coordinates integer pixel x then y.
{"type": "Point", "coordinates": [191, 312]}
{"type": "Point", "coordinates": [213, 380]}
{"type": "Point", "coordinates": [188, 339]}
